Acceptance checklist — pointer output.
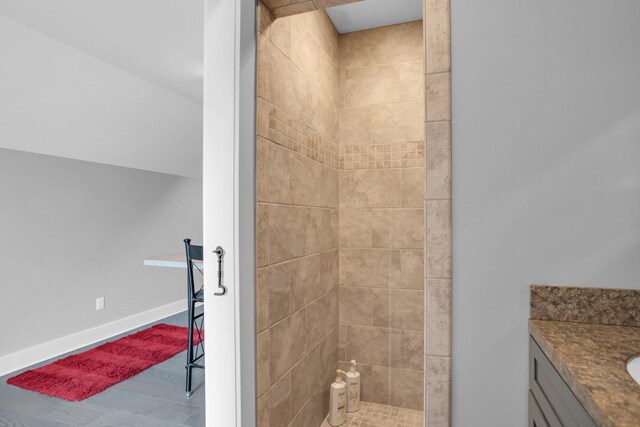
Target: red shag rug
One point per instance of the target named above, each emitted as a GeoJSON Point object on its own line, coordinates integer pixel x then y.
{"type": "Point", "coordinates": [85, 374]}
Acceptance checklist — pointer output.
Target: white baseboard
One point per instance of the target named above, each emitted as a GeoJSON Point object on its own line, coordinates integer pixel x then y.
{"type": "Point", "coordinates": [41, 352]}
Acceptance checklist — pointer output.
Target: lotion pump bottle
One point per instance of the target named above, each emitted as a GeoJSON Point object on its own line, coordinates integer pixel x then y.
{"type": "Point", "coordinates": [338, 401]}
{"type": "Point", "coordinates": [353, 388]}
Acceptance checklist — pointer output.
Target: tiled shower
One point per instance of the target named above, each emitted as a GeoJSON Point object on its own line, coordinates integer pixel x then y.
{"type": "Point", "coordinates": [381, 213]}
{"type": "Point", "coordinates": [340, 216]}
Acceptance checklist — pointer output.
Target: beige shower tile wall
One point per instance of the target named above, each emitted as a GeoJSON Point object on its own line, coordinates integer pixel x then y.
{"type": "Point", "coordinates": [297, 217]}
{"type": "Point", "coordinates": [438, 213]}
{"type": "Point", "coordinates": [381, 224]}
{"type": "Point", "coordinates": [381, 122]}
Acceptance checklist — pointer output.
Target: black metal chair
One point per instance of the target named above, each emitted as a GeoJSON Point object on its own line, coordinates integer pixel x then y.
{"type": "Point", "coordinates": [194, 254]}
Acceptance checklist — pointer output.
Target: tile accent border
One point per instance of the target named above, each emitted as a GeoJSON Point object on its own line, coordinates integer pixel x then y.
{"type": "Point", "coordinates": [382, 156]}
{"type": "Point", "coordinates": [617, 307]}
{"type": "Point", "coordinates": [282, 129]}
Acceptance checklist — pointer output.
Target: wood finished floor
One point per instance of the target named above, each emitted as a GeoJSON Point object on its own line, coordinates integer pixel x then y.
{"type": "Point", "coordinates": [153, 398]}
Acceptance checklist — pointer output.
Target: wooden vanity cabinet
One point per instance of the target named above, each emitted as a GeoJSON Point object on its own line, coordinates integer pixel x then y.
{"type": "Point", "coordinates": [551, 401]}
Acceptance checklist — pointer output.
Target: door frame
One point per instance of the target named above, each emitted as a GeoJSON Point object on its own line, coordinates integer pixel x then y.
{"type": "Point", "coordinates": [229, 210]}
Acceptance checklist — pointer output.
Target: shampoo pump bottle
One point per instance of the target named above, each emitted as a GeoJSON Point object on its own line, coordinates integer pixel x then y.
{"type": "Point", "coordinates": [353, 388]}
{"type": "Point", "coordinates": [338, 401]}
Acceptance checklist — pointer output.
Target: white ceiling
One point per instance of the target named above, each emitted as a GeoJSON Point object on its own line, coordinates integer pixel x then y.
{"type": "Point", "coordinates": [366, 14]}
{"type": "Point", "coordinates": [59, 101]}
{"type": "Point", "coordinates": [160, 41]}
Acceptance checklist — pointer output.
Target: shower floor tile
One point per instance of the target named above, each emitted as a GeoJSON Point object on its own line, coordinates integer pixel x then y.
{"type": "Point", "coordinates": [377, 415]}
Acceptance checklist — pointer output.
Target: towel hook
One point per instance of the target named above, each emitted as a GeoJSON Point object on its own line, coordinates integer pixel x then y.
{"type": "Point", "coordinates": [220, 253]}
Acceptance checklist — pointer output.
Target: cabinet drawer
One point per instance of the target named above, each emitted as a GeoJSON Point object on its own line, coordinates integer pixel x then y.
{"type": "Point", "coordinates": [556, 401]}
{"type": "Point", "coordinates": [536, 418]}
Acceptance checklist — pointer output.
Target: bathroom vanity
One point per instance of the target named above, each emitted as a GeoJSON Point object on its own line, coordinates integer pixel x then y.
{"type": "Point", "coordinates": [551, 401]}
{"type": "Point", "coordinates": [580, 342]}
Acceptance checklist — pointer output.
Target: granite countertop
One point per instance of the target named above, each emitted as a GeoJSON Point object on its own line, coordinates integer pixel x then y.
{"type": "Point", "coordinates": [592, 360]}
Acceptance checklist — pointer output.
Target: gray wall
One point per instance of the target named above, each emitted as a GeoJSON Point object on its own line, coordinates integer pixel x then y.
{"type": "Point", "coordinates": [72, 231]}
{"type": "Point", "coordinates": [89, 109]}
{"type": "Point", "coordinates": [546, 178]}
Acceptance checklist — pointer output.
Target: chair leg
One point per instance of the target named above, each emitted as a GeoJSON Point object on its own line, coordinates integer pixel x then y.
{"type": "Point", "coordinates": [189, 366]}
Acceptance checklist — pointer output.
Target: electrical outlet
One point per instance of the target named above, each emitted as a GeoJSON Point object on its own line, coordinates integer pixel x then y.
{"type": "Point", "coordinates": [99, 303]}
